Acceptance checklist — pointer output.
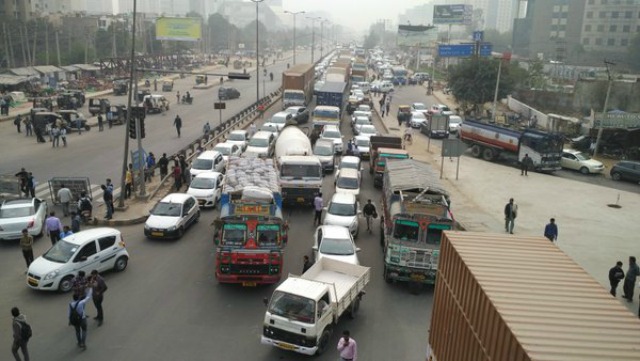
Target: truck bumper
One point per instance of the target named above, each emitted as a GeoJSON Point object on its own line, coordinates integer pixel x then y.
{"type": "Point", "coordinates": [299, 196]}
{"type": "Point", "coordinates": [287, 346]}
{"type": "Point", "coordinates": [248, 281]}
{"type": "Point", "coordinates": [405, 274]}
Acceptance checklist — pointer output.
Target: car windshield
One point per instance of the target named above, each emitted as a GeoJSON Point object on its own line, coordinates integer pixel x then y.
{"type": "Point", "coordinates": [239, 137]}
{"type": "Point", "coordinates": [418, 116]}
{"type": "Point", "coordinates": [16, 212]}
{"type": "Point", "coordinates": [362, 142]}
{"type": "Point", "coordinates": [292, 307]}
{"type": "Point", "coordinates": [336, 247]}
{"type": "Point", "coordinates": [301, 170]}
{"type": "Point", "coordinates": [348, 165]}
{"type": "Point", "coordinates": [364, 108]}
{"type": "Point", "coordinates": [347, 183]}
{"type": "Point", "coordinates": [323, 149]}
{"type": "Point", "coordinates": [333, 134]}
{"type": "Point", "coordinates": [269, 128]}
{"type": "Point", "coordinates": [582, 156]}
{"type": "Point", "coordinates": [61, 252]}
{"type": "Point", "coordinates": [455, 120]}
{"type": "Point", "coordinates": [223, 150]}
{"type": "Point", "coordinates": [368, 129]}
{"type": "Point", "coordinates": [259, 142]}
{"type": "Point", "coordinates": [325, 113]}
{"type": "Point", "coordinates": [234, 235]}
{"type": "Point", "coordinates": [342, 209]}
{"type": "Point", "coordinates": [202, 183]}
{"type": "Point", "coordinates": [362, 120]}
{"type": "Point", "coordinates": [419, 106]}
{"type": "Point", "coordinates": [167, 209]}
{"type": "Point", "coordinates": [406, 230]}
{"type": "Point", "coordinates": [201, 164]}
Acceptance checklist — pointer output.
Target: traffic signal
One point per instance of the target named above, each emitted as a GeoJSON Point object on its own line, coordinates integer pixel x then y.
{"type": "Point", "coordinates": [132, 128]}
{"type": "Point", "coordinates": [142, 128]}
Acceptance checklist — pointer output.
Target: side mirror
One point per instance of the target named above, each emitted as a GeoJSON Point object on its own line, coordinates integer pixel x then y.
{"type": "Point", "coordinates": [358, 249]}
{"type": "Point", "coordinates": [315, 248]}
{"type": "Point", "coordinates": [265, 301]}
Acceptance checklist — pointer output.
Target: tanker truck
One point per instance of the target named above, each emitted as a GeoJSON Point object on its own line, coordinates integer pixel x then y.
{"type": "Point", "coordinates": [300, 172]}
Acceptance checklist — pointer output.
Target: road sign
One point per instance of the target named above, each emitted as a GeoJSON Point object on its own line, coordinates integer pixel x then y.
{"type": "Point", "coordinates": [135, 159]}
{"type": "Point", "coordinates": [478, 35]}
{"type": "Point", "coordinates": [486, 49]}
{"type": "Point", "coordinates": [219, 105]}
{"type": "Point", "coordinates": [459, 50]}
{"type": "Point", "coordinates": [453, 148]}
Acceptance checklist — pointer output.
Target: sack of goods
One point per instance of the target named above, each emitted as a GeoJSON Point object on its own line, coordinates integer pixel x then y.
{"type": "Point", "coordinates": [247, 174]}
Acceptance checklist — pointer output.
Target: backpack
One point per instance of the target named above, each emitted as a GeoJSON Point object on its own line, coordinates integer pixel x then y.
{"type": "Point", "coordinates": [25, 331]}
{"type": "Point", "coordinates": [74, 317]}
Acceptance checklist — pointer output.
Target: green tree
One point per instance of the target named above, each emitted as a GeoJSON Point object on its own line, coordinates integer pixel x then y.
{"type": "Point", "coordinates": [221, 32]}
{"type": "Point", "coordinates": [633, 54]}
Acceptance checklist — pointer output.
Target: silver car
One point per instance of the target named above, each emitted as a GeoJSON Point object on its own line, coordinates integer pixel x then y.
{"type": "Point", "coordinates": [324, 150]}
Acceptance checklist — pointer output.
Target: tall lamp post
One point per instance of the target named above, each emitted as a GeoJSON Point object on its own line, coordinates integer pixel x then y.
{"type": "Point", "coordinates": [257, 53]}
{"type": "Point", "coordinates": [321, 31]}
{"type": "Point", "coordinates": [294, 13]}
{"type": "Point", "coordinates": [606, 105]}
{"type": "Point", "coordinates": [313, 34]}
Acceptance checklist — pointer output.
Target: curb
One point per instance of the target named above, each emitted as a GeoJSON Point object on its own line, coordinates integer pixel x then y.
{"type": "Point", "coordinates": [119, 222]}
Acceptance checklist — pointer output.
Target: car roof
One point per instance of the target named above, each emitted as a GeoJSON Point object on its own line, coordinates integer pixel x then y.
{"type": "Point", "coordinates": [92, 233]}
{"type": "Point", "coordinates": [369, 126]}
{"type": "Point", "coordinates": [349, 173]}
{"type": "Point", "coordinates": [362, 137]}
{"type": "Point", "coordinates": [208, 154]}
{"type": "Point", "coordinates": [225, 145]}
{"type": "Point", "coordinates": [262, 134]}
{"type": "Point", "coordinates": [239, 131]}
{"type": "Point", "coordinates": [176, 198]}
{"type": "Point", "coordinates": [282, 114]}
{"type": "Point", "coordinates": [330, 127]}
{"type": "Point", "coordinates": [210, 175]}
{"type": "Point", "coordinates": [350, 158]}
{"type": "Point", "coordinates": [417, 103]}
{"type": "Point", "coordinates": [419, 114]}
{"type": "Point", "coordinates": [343, 198]}
{"type": "Point", "coordinates": [571, 151]}
{"type": "Point", "coordinates": [331, 231]}
{"type": "Point", "coordinates": [17, 203]}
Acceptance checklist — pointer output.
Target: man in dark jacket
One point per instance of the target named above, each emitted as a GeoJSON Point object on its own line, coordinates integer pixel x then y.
{"type": "Point", "coordinates": [19, 321]}
{"type": "Point", "coordinates": [630, 279]}
{"type": "Point", "coordinates": [616, 274]}
{"type": "Point", "coordinates": [163, 164]}
{"type": "Point", "coordinates": [99, 287]}
{"type": "Point", "coordinates": [510, 213]}
{"type": "Point", "coordinates": [177, 122]}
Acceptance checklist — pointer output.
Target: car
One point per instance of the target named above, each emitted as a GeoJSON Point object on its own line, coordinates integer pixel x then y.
{"type": "Point", "coordinates": [299, 114]}
{"type": "Point", "coordinates": [225, 93]}
{"type": "Point", "coordinates": [440, 109]}
{"type": "Point", "coordinates": [271, 128]}
{"type": "Point", "coordinates": [348, 181]}
{"type": "Point", "coordinates": [364, 86]}
{"type": "Point", "coordinates": [228, 149]}
{"type": "Point", "coordinates": [577, 160]}
{"type": "Point", "coordinates": [239, 137]}
{"type": "Point", "coordinates": [385, 86]}
{"type": "Point", "coordinates": [280, 119]}
{"type": "Point", "coordinates": [335, 242]}
{"type": "Point", "coordinates": [360, 113]}
{"type": "Point", "coordinates": [626, 170]}
{"type": "Point", "coordinates": [261, 145]}
{"type": "Point", "coordinates": [207, 188]}
{"type": "Point", "coordinates": [171, 216]}
{"type": "Point", "coordinates": [417, 119]}
{"type": "Point", "coordinates": [324, 150]}
{"type": "Point", "coordinates": [349, 162]}
{"type": "Point", "coordinates": [368, 130]}
{"type": "Point", "coordinates": [419, 107]}
{"type": "Point", "coordinates": [455, 122]}
{"type": "Point", "coordinates": [359, 122]}
{"type": "Point", "coordinates": [19, 214]}
{"type": "Point", "coordinates": [207, 161]}
{"type": "Point", "coordinates": [98, 249]}
{"type": "Point", "coordinates": [343, 210]}
{"type": "Point", "coordinates": [333, 133]}
{"type": "Point", "coordinates": [364, 108]}
{"type": "Point", "coordinates": [358, 94]}
{"type": "Point", "coordinates": [317, 86]}
{"type": "Point", "coordinates": [364, 146]}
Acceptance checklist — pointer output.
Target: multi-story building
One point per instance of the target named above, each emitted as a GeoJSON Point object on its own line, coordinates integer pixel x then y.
{"type": "Point", "coordinates": [16, 9]}
{"type": "Point", "coordinates": [609, 25]}
{"type": "Point", "coordinates": [417, 15]}
{"type": "Point", "coordinates": [496, 14]}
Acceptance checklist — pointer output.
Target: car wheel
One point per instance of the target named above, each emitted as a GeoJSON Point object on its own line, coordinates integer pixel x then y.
{"type": "Point", "coordinates": [584, 170]}
{"type": "Point", "coordinates": [198, 215]}
{"type": "Point", "coordinates": [180, 232]}
{"type": "Point", "coordinates": [355, 306]}
{"type": "Point", "coordinates": [121, 264]}
{"type": "Point", "coordinates": [616, 176]}
{"type": "Point", "coordinates": [66, 284]}
{"type": "Point", "coordinates": [323, 342]}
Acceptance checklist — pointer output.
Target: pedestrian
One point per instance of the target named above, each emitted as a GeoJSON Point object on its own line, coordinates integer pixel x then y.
{"type": "Point", "coordinates": [388, 106]}
{"type": "Point", "coordinates": [78, 123]}
{"type": "Point", "coordinates": [26, 243]}
{"type": "Point", "coordinates": [85, 208]}
{"type": "Point", "coordinates": [22, 179]}
{"type": "Point", "coordinates": [150, 167]}
{"type": "Point", "coordinates": [78, 319]}
{"type": "Point", "coordinates": [63, 136]}
{"type": "Point", "coordinates": [526, 163]}
{"type": "Point", "coordinates": [109, 185]}
{"type": "Point", "coordinates": [53, 227]}
{"type": "Point", "coordinates": [107, 197]}
{"type": "Point", "coordinates": [28, 126]}
{"type": "Point", "coordinates": [177, 122]}
{"type": "Point", "coordinates": [100, 122]}
{"type": "Point", "coordinates": [64, 197]}
{"type": "Point", "coordinates": [253, 129]}
{"type": "Point", "coordinates": [616, 274]}
{"type": "Point", "coordinates": [177, 176]}
{"type": "Point", "coordinates": [350, 147]}
{"type": "Point", "coordinates": [55, 134]}
{"type": "Point", "coordinates": [155, 85]}
{"type": "Point", "coordinates": [30, 189]}
{"type": "Point", "coordinates": [18, 122]}
{"type": "Point", "coordinates": [75, 222]}
{"type": "Point", "coordinates": [347, 347]}
{"type": "Point", "coordinates": [183, 169]}
{"type": "Point", "coordinates": [630, 279]}
{"type": "Point", "coordinates": [206, 129]}
{"type": "Point", "coordinates": [79, 284]}
{"type": "Point", "coordinates": [128, 182]}
{"type": "Point", "coordinates": [510, 214]}
{"type": "Point", "coordinates": [66, 231]}
{"type": "Point", "coordinates": [21, 334]}
{"type": "Point", "coordinates": [163, 163]}
{"type": "Point", "coordinates": [551, 230]}
{"type": "Point", "coordinates": [110, 118]}
{"type": "Point", "coordinates": [369, 211]}
{"type": "Point", "coordinates": [178, 97]}
{"type": "Point", "coordinates": [317, 206]}
{"type": "Point", "coordinates": [306, 263]}
{"type": "Point", "coordinates": [99, 287]}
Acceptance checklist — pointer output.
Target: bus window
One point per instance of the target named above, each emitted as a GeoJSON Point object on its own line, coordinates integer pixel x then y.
{"type": "Point", "coordinates": [406, 230]}
{"type": "Point", "coordinates": [234, 235]}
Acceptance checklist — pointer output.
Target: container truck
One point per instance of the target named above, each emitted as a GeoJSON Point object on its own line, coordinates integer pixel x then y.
{"type": "Point", "coordinates": [297, 85]}
{"type": "Point", "coordinates": [300, 172]}
{"type": "Point", "coordinates": [491, 141]}
{"type": "Point", "coordinates": [325, 115]}
{"type": "Point", "coordinates": [358, 72]}
{"type": "Point", "coordinates": [250, 233]}
{"type": "Point", "coordinates": [382, 149]}
{"type": "Point", "coordinates": [333, 94]}
{"type": "Point", "coordinates": [415, 212]}
{"type": "Point", "coordinates": [304, 310]}
{"type": "Point", "coordinates": [500, 297]}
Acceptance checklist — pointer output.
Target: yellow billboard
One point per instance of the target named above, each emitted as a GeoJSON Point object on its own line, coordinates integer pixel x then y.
{"type": "Point", "coordinates": [183, 29]}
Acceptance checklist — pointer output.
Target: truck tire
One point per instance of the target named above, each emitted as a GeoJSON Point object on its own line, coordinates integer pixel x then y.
{"type": "Point", "coordinates": [323, 342]}
{"type": "Point", "coordinates": [386, 276]}
{"type": "Point", "coordinates": [353, 309]}
{"type": "Point", "coordinates": [488, 154]}
{"type": "Point", "coordinates": [476, 150]}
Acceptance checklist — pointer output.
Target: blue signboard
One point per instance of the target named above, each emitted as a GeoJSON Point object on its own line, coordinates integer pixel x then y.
{"type": "Point", "coordinates": [459, 50]}
{"type": "Point", "coordinates": [485, 49]}
{"type": "Point", "coordinates": [478, 35]}
{"type": "Point", "coordinates": [135, 159]}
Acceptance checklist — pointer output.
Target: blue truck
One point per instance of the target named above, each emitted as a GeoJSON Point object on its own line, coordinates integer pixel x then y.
{"type": "Point", "coordinates": [333, 94]}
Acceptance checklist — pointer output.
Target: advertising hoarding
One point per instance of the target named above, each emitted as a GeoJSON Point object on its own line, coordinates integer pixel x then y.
{"type": "Point", "coordinates": [459, 14]}
{"type": "Point", "coordinates": [182, 29]}
{"type": "Point", "coordinates": [416, 35]}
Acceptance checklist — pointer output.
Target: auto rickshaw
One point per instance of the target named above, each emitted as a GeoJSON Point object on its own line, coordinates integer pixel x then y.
{"type": "Point", "coordinates": [167, 85]}
{"type": "Point", "coordinates": [120, 87]}
{"type": "Point", "coordinates": [404, 114]}
{"type": "Point", "coordinates": [200, 79]}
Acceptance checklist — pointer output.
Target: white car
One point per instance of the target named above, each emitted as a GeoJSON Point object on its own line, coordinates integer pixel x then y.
{"type": "Point", "coordinates": [343, 210]}
{"type": "Point", "coordinates": [419, 107]}
{"type": "Point", "coordinates": [18, 214]}
{"type": "Point", "coordinates": [576, 160]}
{"type": "Point", "coordinates": [335, 242]}
{"type": "Point", "coordinates": [280, 119]}
{"type": "Point", "coordinates": [455, 121]}
{"type": "Point", "coordinates": [441, 109]}
{"type": "Point", "coordinates": [239, 137]}
{"type": "Point", "coordinates": [360, 113]}
{"type": "Point", "coordinates": [349, 162]}
{"type": "Point", "coordinates": [368, 131]}
{"type": "Point", "coordinates": [207, 188]}
{"type": "Point", "coordinates": [261, 145]}
{"type": "Point", "coordinates": [333, 133]}
{"type": "Point", "coordinates": [348, 181]}
{"type": "Point", "coordinates": [359, 122]}
{"type": "Point", "coordinates": [417, 119]}
{"type": "Point", "coordinates": [170, 217]}
{"type": "Point", "coordinates": [98, 249]}
{"type": "Point", "coordinates": [271, 128]}
{"type": "Point", "coordinates": [227, 150]}
{"type": "Point", "coordinates": [364, 146]}
{"type": "Point", "coordinates": [364, 108]}
{"type": "Point", "coordinates": [207, 161]}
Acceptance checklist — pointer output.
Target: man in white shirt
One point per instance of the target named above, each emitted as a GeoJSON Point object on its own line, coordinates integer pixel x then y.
{"type": "Point", "coordinates": [64, 197]}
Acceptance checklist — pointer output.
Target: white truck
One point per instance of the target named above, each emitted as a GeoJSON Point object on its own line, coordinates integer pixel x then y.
{"type": "Point", "coordinates": [304, 310]}
{"type": "Point", "coordinates": [300, 172]}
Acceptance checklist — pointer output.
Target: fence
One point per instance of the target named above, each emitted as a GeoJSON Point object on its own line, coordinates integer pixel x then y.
{"type": "Point", "coordinates": [528, 112]}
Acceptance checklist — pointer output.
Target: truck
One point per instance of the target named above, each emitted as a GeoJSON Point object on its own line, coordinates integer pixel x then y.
{"type": "Point", "coordinates": [300, 172]}
{"type": "Point", "coordinates": [333, 94]}
{"type": "Point", "coordinates": [359, 72]}
{"type": "Point", "coordinates": [382, 149]}
{"type": "Point", "coordinates": [400, 75]}
{"type": "Point", "coordinates": [491, 141]}
{"type": "Point", "coordinates": [304, 310]}
{"type": "Point", "coordinates": [251, 232]}
{"type": "Point", "coordinates": [325, 115]}
{"type": "Point", "coordinates": [297, 85]}
{"type": "Point", "coordinates": [415, 212]}
{"type": "Point", "coordinates": [436, 126]}
{"type": "Point", "coordinates": [500, 296]}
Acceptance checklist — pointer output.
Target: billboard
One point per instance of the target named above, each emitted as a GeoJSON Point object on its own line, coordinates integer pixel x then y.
{"type": "Point", "coordinates": [452, 14]}
{"type": "Point", "coordinates": [182, 29]}
{"type": "Point", "coordinates": [416, 35]}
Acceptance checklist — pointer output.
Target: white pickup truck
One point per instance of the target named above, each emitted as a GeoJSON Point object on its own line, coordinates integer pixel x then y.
{"type": "Point", "coordinates": [304, 310]}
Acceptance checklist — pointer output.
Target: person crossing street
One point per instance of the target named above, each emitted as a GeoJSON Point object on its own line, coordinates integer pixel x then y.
{"type": "Point", "coordinates": [369, 211]}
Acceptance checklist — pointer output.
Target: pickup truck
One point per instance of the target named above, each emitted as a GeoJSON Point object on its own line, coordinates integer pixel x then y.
{"type": "Point", "coordinates": [304, 310]}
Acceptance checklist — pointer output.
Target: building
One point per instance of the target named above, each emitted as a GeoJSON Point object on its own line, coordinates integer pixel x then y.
{"type": "Point", "coordinates": [496, 14]}
{"type": "Point", "coordinates": [417, 15]}
{"type": "Point", "coordinates": [16, 9]}
{"type": "Point", "coordinates": [609, 26]}
{"type": "Point", "coordinates": [242, 14]}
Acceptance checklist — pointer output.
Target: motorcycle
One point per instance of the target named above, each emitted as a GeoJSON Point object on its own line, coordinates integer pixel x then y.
{"type": "Point", "coordinates": [186, 100]}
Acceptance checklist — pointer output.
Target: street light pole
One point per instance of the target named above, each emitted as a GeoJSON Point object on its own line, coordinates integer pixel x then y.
{"type": "Point", "coordinates": [294, 13]}
{"type": "Point", "coordinates": [257, 53]}
{"type": "Point", "coordinates": [321, 31]}
{"type": "Point", "coordinates": [604, 111]}
{"type": "Point", "coordinates": [495, 95]}
{"type": "Point", "coordinates": [313, 34]}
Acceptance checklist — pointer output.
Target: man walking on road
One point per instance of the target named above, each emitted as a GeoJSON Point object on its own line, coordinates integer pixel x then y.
{"type": "Point", "coordinates": [510, 213]}
{"type": "Point", "coordinates": [26, 243]}
{"type": "Point", "coordinates": [20, 333]}
{"type": "Point", "coordinates": [99, 287]}
{"type": "Point", "coordinates": [163, 164]}
{"type": "Point", "coordinates": [369, 211]}
{"type": "Point", "coordinates": [347, 347]}
{"type": "Point", "coordinates": [306, 263]}
{"type": "Point", "coordinates": [53, 227]}
{"type": "Point", "coordinates": [551, 230]}
{"type": "Point", "coordinates": [630, 279]}
{"type": "Point", "coordinates": [107, 197]}
{"type": "Point", "coordinates": [178, 124]}
{"type": "Point", "coordinates": [317, 206]}
{"type": "Point", "coordinates": [100, 122]}
{"type": "Point", "coordinates": [527, 162]}
{"type": "Point", "coordinates": [64, 197]}
{"type": "Point", "coordinates": [78, 319]}
{"type": "Point", "coordinates": [616, 274]}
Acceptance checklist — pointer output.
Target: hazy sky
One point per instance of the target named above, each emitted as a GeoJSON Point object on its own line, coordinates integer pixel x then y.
{"type": "Point", "coordinates": [358, 14]}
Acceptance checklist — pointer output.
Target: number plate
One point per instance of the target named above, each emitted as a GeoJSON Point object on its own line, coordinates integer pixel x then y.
{"type": "Point", "coordinates": [32, 281]}
{"type": "Point", "coordinates": [158, 234]}
{"type": "Point", "coordinates": [417, 277]}
{"type": "Point", "coordinates": [249, 284]}
{"type": "Point", "coordinates": [285, 346]}
{"type": "Point", "coordinates": [300, 199]}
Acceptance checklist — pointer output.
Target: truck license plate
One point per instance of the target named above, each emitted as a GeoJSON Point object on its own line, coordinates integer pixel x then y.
{"type": "Point", "coordinates": [248, 284]}
{"type": "Point", "coordinates": [300, 199]}
{"type": "Point", "coordinates": [417, 277]}
{"type": "Point", "coordinates": [285, 346]}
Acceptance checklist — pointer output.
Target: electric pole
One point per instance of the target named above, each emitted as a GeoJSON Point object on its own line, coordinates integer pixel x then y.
{"type": "Point", "coordinates": [605, 115]}
{"type": "Point", "coordinates": [58, 48]}
{"type": "Point", "coordinates": [46, 43]}
{"type": "Point", "coordinates": [35, 37]}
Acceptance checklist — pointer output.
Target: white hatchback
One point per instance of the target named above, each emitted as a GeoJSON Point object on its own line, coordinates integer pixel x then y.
{"type": "Point", "coordinates": [348, 181]}
{"type": "Point", "coordinates": [207, 188]}
{"type": "Point", "coordinates": [239, 137]}
{"type": "Point", "coordinates": [170, 217]}
{"type": "Point", "coordinates": [98, 249]}
{"type": "Point", "coordinates": [335, 242]}
{"type": "Point", "coordinates": [333, 133]}
{"type": "Point", "coordinates": [343, 210]}
{"type": "Point", "coordinates": [228, 150]}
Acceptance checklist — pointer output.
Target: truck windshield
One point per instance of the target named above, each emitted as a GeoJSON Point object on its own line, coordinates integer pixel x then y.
{"type": "Point", "coordinates": [293, 307]}
{"type": "Point", "coordinates": [406, 230]}
{"type": "Point", "coordinates": [301, 170]}
{"type": "Point", "coordinates": [268, 235]}
{"type": "Point", "coordinates": [542, 143]}
{"type": "Point", "coordinates": [234, 235]}
{"type": "Point", "coordinates": [434, 233]}
{"type": "Point", "coordinates": [325, 113]}
{"type": "Point", "coordinates": [294, 95]}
